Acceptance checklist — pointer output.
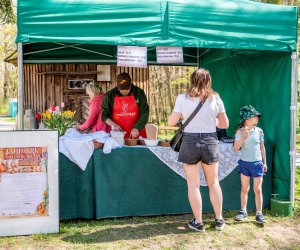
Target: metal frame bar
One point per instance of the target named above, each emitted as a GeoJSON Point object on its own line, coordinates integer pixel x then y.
{"type": "Point", "coordinates": [20, 87]}
{"type": "Point", "coordinates": [293, 114]}
{"type": "Point", "coordinates": [57, 48]}
{"type": "Point", "coordinates": [97, 61]}
{"type": "Point", "coordinates": [88, 50]}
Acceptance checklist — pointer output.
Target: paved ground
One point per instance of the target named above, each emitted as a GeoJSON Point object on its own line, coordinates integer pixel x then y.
{"type": "Point", "coordinates": [5, 125]}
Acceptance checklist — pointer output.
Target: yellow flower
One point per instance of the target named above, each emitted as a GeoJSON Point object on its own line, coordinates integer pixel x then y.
{"type": "Point", "coordinates": [47, 115]}
{"type": "Point", "coordinates": [68, 114]}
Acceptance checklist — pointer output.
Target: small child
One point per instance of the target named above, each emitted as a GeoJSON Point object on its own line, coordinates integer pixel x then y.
{"type": "Point", "coordinates": [250, 140]}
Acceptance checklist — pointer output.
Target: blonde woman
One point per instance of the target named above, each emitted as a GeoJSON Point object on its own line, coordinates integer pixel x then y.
{"type": "Point", "coordinates": [200, 144]}
{"type": "Point", "coordinates": [94, 121]}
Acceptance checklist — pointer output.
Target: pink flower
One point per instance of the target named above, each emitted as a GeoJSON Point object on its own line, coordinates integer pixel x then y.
{"type": "Point", "coordinates": [62, 104]}
{"type": "Point", "coordinates": [52, 108]}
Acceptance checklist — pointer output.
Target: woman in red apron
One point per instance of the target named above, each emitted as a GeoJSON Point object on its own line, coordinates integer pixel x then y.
{"type": "Point", "coordinates": [125, 108]}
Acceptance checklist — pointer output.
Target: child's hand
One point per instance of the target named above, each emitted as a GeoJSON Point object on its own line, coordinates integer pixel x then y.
{"type": "Point", "coordinates": [265, 168]}
{"type": "Point", "coordinates": [246, 133]}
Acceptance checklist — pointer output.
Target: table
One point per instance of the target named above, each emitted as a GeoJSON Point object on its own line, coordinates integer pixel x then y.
{"type": "Point", "coordinates": [134, 182]}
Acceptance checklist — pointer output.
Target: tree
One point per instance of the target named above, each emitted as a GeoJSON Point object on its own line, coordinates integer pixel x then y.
{"type": "Point", "coordinates": [7, 13]}
{"type": "Point", "coordinates": [8, 73]}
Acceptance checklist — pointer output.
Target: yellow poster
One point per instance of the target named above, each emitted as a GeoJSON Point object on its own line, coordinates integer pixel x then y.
{"type": "Point", "coordinates": [23, 181]}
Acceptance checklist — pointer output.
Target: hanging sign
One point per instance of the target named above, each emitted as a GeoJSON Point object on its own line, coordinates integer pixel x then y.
{"type": "Point", "coordinates": [28, 182]}
{"type": "Point", "coordinates": [169, 55]}
{"type": "Point", "coordinates": [132, 56]}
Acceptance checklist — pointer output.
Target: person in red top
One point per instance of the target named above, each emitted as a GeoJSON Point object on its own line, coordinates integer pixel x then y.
{"type": "Point", "coordinates": [94, 121]}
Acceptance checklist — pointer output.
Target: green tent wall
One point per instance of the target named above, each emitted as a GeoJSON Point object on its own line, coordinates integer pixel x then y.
{"type": "Point", "coordinates": [246, 45]}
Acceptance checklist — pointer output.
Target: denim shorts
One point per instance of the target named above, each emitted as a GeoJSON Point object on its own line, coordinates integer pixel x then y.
{"type": "Point", "coordinates": [251, 168]}
{"type": "Point", "coordinates": [197, 147]}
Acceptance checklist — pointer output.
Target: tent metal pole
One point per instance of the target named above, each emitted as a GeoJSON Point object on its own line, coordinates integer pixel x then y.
{"type": "Point", "coordinates": [20, 87]}
{"type": "Point", "coordinates": [293, 114]}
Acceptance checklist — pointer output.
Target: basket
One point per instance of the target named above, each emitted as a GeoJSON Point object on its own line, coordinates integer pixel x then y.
{"type": "Point", "coordinates": [131, 142]}
{"type": "Point", "coordinates": [164, 143]}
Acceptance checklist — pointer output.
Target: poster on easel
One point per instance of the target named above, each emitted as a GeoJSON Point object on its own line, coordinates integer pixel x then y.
{"type": "Point", "coordinates": [28, 182]}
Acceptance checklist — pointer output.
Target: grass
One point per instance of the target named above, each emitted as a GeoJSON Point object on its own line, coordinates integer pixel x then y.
{"type": "Point", "coordinates": [164, 232]}
{"type": "Point", "coordinates": [8, 119]}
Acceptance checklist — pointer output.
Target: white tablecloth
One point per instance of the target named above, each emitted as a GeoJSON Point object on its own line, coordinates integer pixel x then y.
{"type": "Point", "coordinates": [228, 160]}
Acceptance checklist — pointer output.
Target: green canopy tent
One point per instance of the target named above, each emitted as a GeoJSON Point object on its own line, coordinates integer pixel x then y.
{"type": "Point", "coordinates": [249, 47]}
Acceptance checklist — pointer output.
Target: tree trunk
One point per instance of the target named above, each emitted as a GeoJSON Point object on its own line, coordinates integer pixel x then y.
{"type": "Point", "coordinates": [5, 83]}
{"type": "Point", "coordinates": [168, 87]}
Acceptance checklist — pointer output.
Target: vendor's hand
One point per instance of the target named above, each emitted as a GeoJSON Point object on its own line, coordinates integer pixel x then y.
{"type": "Point", "coordinates": [116, 127]}
{"type": "Point", "coordinates": [134, 133]}
{"type": "Point", "coordinates": [265, 168]}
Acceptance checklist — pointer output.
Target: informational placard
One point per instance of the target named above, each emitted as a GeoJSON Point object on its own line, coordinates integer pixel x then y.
{"type": "Point", "coordinates": [132, 56]}
{"type": "Point", "coordinates": [28, 182]}
{"type": "Point", "coordinates": [169, 55]}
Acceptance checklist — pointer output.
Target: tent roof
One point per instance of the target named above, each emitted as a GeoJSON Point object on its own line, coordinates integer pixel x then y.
{"type": "Point", "coordinates": [230, 24]}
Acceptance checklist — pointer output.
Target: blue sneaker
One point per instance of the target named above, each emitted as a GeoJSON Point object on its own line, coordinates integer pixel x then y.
{"type": "Point", "coordinates": [260, 218]}
{"type": "Point", "coordinates": [219, 224]}
{"type": "Point", "coordinates": [241, 216]}
{"type": "Point", "coordinates": [199, 227]}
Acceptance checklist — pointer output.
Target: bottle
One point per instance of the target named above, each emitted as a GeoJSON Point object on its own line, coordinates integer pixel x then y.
{"type": "Point", "coordinates": [29, 119]}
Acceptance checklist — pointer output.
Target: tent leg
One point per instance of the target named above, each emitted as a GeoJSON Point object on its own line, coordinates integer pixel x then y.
{"type": "Point", "coordinates": [20, 87]}
{"type": "Point", "coordinates": [293, 114]}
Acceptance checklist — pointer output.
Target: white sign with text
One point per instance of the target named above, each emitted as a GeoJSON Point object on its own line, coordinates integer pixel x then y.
{"type": "Point", "coordinates": [169, 54]}
{"type": "Point", "coordinates": [132, 56]}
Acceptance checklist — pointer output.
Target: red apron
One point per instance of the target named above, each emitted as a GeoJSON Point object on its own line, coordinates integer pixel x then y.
{"type": "Point", "coordinates": [126, 113]}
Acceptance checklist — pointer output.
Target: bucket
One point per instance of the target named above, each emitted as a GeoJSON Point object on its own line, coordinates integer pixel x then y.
{"type": "Point", "coordinates": [281, 207]}
{"type": "Point", "coordinates": [118, 136]}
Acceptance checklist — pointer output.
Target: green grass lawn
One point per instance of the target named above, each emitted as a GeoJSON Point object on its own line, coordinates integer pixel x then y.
{"type": "Point", "coordinates": [7, 119]}
{"type": "Point", "coordinates": [164, 232]}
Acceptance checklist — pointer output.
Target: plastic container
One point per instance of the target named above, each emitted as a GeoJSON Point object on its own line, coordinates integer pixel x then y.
{"type": "Point", "coordinates": [151, 143]}
{"type": "Point", "coordinates": [281, 207]}
{"type": "Point", "coordinates": [29, 119]}
{"type": "Point", "coordinates": [118, 136]}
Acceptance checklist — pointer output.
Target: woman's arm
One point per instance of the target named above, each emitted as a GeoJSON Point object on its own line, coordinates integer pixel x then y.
{"type": "Point", "coordinates": [174, 119]}
{"type": "Point", "coordinates": [222, 121]}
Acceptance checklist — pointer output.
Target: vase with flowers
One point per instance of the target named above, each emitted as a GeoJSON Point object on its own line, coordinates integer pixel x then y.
{"type": "Point", "coordinates": [56, 118]}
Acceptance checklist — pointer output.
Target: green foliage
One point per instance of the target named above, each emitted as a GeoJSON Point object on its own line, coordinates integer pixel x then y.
{"type": "Point", "coordinates": [297, 187]}
{"type": "Point", "coordinates": [4, 106]}
{"type": "Point", "coordinates": [7, 14]}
